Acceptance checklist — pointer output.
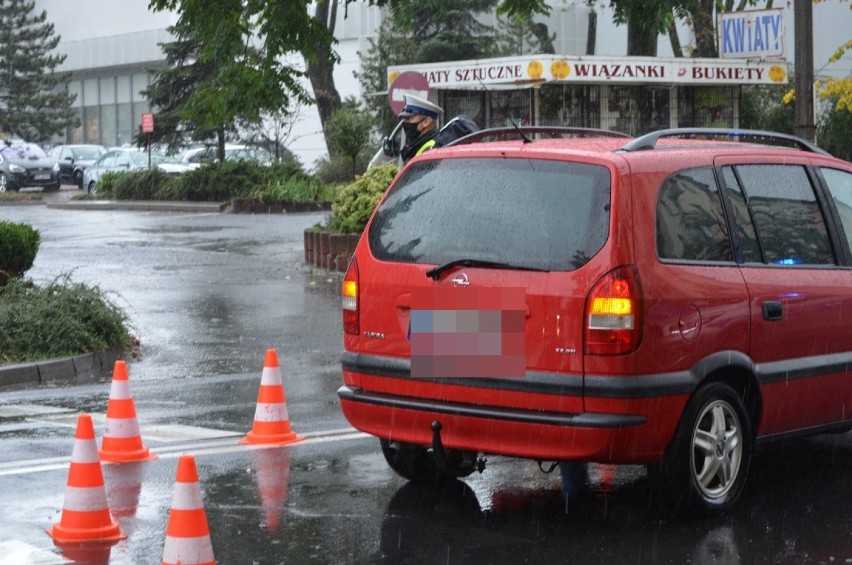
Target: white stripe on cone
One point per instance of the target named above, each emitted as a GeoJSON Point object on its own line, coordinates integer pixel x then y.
{"type": "Point", "coordinates": [270, 376]}
{"type": "Point", "coordinates": [85, 451]}
{"type": "Point", "coordinates": [85, 499]}
{"type": "Point", "coordinates": [187, 496]}
{"type": "Point", "coordinates": [122, 427]}
{"type": "Point", "coordinates": [120, 390]}
{"type": "Point", "coordinates": [266, 412]}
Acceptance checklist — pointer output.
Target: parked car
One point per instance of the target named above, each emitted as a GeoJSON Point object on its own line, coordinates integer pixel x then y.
{"type": "Point", "coordinates": [659, 300]}
{"type": "Point", "coordinates": [197, 156]}
{"type": "Point", "coordinates": [73, 160]}
{"type": "Point", "coordinates": [25, 165]}
{"type": "Point", "coordinates": [128, 159]}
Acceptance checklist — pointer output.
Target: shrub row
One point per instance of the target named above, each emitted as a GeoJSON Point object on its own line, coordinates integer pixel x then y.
{"type": "Point", "coordinates": [215, 182]}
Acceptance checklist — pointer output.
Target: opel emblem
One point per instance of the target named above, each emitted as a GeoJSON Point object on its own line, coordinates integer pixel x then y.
{"type": "Point", "coordinates": [460, 280]}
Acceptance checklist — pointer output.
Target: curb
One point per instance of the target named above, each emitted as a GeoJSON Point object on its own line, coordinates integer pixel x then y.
{"type": "Point", "coordinates": [141, 205]}
{"type": "Point", "coordinates": [77, 369]}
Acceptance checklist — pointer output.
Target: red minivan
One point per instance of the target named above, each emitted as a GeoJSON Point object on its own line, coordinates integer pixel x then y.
{"type": "Point", "coordinates": [574, 296]}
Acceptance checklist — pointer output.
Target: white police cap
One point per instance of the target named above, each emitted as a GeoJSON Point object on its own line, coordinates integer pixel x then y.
{"type": "Point", "coordinates": [417, 105]}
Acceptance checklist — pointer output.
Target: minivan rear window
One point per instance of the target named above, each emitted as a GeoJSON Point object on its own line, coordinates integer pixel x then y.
{"type": "Point", "coordinates": [529, 213]}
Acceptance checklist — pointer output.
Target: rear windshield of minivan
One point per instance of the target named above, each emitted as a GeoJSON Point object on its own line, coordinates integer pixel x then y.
{"type": "Point", "coordinates": [529, 213]}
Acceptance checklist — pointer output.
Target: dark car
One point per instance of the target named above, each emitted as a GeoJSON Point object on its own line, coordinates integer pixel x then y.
{"type": "Point", "coordinates": [24, 165]}
{"type": "Point", "coordinates": [73, 160]}
{"type": "Point", "coordinates": [672, 300]}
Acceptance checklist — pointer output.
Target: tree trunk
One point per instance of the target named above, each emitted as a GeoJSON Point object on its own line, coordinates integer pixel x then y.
{"type": "Point", "coordinates": [321, 71]}
{"type": "Point", "coordinates": [220, 144]}
{"type": "Point", "coordinates": [705, 31]}
{"type": "Point", "coordinates": [641, 40]}
{"type": "Point", "coordinates": [592, 32]}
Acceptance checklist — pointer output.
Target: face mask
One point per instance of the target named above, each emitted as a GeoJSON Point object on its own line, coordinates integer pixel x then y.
{"type": "Point", "coordinates": [410, 130]}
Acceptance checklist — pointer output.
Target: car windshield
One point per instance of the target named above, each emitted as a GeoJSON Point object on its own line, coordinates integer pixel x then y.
{"type": "Point", "coordinates": [87, 153]}
{"type": "Point", "coordinates": [23, 152]}
{"type": "Point", "coordinates": [533, 214]}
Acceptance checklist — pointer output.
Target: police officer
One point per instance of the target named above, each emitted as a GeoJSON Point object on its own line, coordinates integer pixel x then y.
{"type": "Point", "coordinates": [420, 123]}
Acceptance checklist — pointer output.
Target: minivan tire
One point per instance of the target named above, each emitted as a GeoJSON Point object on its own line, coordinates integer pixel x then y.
{"type": "Point", "coordinates": [705, 468]}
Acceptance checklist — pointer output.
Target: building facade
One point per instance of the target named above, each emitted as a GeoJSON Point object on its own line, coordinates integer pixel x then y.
{"type": "Point", "coordinates": [112, 46]}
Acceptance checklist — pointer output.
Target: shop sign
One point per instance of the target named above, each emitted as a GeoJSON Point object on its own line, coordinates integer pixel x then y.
{"type": "Point", "coordinates": [752, 34]}
{"type": "Point", "coordinates": [531, 70]}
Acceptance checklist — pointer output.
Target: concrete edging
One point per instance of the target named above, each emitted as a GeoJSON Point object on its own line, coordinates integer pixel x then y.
{"type": "Point", "coordinates": [88, 367]}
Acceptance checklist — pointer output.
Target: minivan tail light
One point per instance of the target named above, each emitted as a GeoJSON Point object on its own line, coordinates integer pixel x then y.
{"type": "Point", "coordinates": [613, 314]}
{"type": "Point", "coordinates": [349, 291]}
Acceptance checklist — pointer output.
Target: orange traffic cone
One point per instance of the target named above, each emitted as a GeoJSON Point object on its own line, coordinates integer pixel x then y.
{"type": "Point", "coordinates": [85, 513]}
{"type": "Point", "coordinates": [122, 441]}
{"type": "Point", "coordinates": [187, 534]}
{"type": "Point", "coordinates": [271, 422]}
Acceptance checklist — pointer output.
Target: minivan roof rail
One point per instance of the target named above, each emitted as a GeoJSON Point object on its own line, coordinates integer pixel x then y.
{"type": "Point", "coordinates": [649, 141]}
{"type": "Point", "coordinates": [537, 132]}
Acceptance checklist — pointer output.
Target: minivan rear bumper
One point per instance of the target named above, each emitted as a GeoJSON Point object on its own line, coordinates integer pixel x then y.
{"type": "Point", "coordinates": [496, 430]}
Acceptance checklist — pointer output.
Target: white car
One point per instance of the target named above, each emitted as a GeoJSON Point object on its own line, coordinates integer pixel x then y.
{"type": "Point", "coordinates": [198, 156]}
{"type": "Point", "coordinates": [128, 159]}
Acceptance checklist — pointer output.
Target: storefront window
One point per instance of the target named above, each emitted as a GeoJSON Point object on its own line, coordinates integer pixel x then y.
{"type": "Point", "coordinates": [570, 105]}
{"type": "Point", "coordinates": [467, 102]}
{"type": "Point", "coordinates": [705, 106]}
{"type": "Point", "coordinates": [508, 107]}
{"type": "Point", "coordinates": [637, 110]}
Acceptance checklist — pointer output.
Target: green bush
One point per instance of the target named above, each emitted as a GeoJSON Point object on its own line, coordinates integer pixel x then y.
{"type": "Point", "coordinates": [105, 187]}
{"type": "Point", "coordinates": [58, 320]}
{"type": "Point", "coordinates": [18, 247]}
{"type": "Point", "coordinates": [354, 203]}
{"type": "Point", "coordinates": [297, 188]}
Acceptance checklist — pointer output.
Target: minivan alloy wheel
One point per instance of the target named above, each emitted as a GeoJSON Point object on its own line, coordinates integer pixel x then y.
{"type": "Point", "coordinates": [706, 464]}
{"type": "Point", "coordinates": [717, 449]}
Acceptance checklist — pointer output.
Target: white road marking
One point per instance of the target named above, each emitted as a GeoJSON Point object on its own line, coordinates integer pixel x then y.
{"type": "Point", "coordinates": [197, 448]}
{"type": "Point", "coordinates": [16, 552]}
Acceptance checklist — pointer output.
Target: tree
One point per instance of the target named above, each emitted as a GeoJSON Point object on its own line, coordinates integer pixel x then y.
{"type": "Point", "coordinates": [32, 106]}
{"type": "Point", "coordinates": [445, 30]}
{"type": "Point", "coordinates": [519, 35]}
{"type": "Point", "coordinates": [390, 47]}
{"type": "Point", "coordinates": [348, 131]}
{"type": "Point", "coordinates": [171, 90]}
{"type": "Point", "coordinates": [276, 28]}
{"type": "Point", "coordinates": [245, 41]}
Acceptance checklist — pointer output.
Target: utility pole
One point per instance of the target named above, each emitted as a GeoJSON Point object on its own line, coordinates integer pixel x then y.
{"type": "Point", "coordinates": [803, 109]}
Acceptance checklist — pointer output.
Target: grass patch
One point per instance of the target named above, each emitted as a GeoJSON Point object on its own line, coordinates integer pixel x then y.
{"type": "Point", "coordinates": [60, 319]}
{"type": "Point", "coordinates": [11, 196]}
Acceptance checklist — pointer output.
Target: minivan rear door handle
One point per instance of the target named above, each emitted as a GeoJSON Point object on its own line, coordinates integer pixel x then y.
{"type": "Point", "coordinates": [771, 311]}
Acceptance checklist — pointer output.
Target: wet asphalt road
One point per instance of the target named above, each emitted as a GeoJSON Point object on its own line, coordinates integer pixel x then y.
{"type": "Point", "coordinates": [207, 294]}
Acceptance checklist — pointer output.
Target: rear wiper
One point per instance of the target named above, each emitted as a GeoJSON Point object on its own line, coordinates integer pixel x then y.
{"type": "Point", "coordinates": [435, 272]}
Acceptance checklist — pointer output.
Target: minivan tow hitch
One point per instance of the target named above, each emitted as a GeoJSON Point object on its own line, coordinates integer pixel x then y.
{"type": "Point", "coordinates": [454, 462]}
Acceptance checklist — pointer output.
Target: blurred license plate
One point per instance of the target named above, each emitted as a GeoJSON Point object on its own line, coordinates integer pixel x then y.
{"type": "Point", "coordinates": [41, 176]}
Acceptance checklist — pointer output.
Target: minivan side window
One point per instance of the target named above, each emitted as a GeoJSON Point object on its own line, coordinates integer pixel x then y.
{"type": "Point", "coordinates": [787, 217]}
{"type": "Point", "coordinates": [747, 249]}
{"type": "Point", "coordinates": [840, 187]}
{"type": "Point", "coordinates": [690, 222]}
